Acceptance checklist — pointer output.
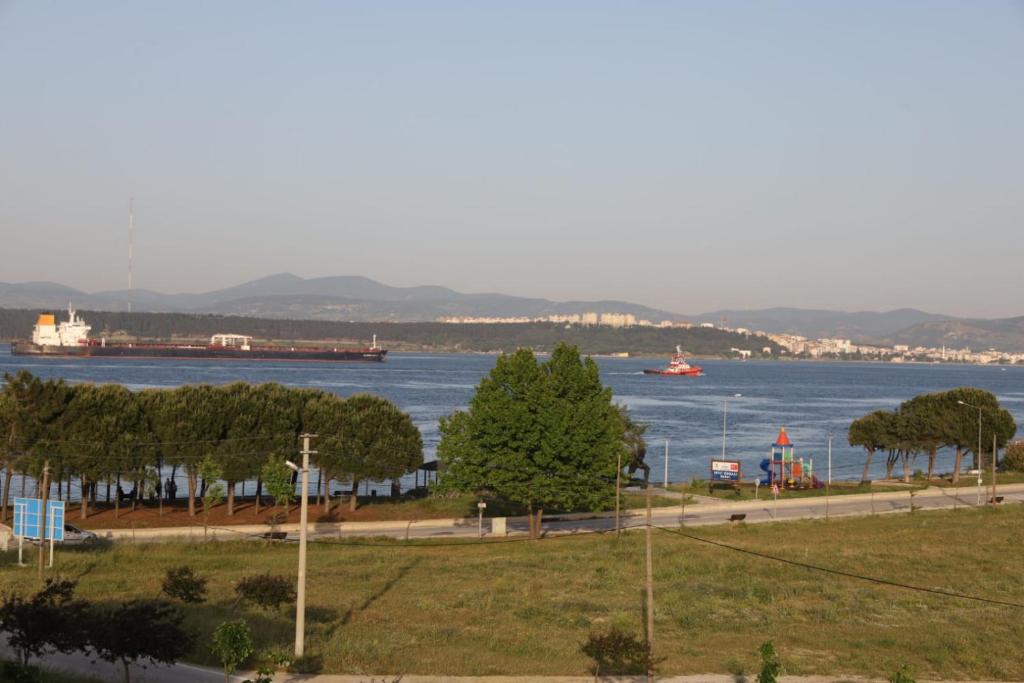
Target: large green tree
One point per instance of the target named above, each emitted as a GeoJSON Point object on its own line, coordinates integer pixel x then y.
{"type": "Point", "coordinates": [539, 434]}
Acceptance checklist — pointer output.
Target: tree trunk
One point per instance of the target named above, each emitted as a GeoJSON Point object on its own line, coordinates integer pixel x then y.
{"type": "Point", "coordinates": [890, 463]}
{"type": "Point", "coordinates": [85, 498]}
{"type": "Point", "coordinates": [127, 674]}
{"type": "Point", "coordinates": [354, 500]}
{"type": "Point", "coordinates": [905, 456]}
{"type": "Point", "coordinates": [540, 516]}
{"type": "Point", "coordinates": [8, 478]}
{"type": "Point", "coordinates": [867, 466]}
{"type": "Point", "coordinates": [957, 463]}
{"type": "Point", "coordinates": [319, 478]}
{"type": "Point", "coordinates": [191, 493]}
{"type": "Point", "coordinates": [327, 494]}
{"type": "Point", "coordinates": [931, 463]}
{"type": "Point", "coordinates": [231, 498]}
{"type": "Point", "coordinates": [259, 492]}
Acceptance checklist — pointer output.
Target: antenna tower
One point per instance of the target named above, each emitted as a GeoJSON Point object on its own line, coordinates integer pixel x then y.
{"type": "Point", "coordinates": [131, 248]}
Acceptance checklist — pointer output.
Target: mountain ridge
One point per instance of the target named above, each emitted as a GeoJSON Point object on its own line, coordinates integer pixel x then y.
{"type": "Point", "coordinates": [362, 299]}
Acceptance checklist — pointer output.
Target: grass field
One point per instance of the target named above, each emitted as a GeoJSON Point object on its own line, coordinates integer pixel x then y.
{"type": "Point", "coordinates": [524, 607]}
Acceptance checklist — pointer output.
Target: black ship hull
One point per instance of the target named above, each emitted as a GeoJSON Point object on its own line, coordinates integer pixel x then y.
{"type": "Point", "coordinates": [197, 352]}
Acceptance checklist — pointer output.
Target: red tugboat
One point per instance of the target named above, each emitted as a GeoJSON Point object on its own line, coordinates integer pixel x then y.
{"type": "Point", "coordinates": [677, 367]}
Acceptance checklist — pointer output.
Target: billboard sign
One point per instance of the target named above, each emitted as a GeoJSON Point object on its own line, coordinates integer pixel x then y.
{"type": "Point", "coordinates": [727, 471]}
{"type": "Point", "coordinates": [27, 519]}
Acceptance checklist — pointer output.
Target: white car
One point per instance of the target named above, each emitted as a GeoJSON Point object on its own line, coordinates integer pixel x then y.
{"type": "Point", "coordinates": [75, 536]}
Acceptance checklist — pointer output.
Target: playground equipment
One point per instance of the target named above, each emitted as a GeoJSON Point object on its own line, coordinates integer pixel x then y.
{"type": "Point", "coordinates": [785, 469]}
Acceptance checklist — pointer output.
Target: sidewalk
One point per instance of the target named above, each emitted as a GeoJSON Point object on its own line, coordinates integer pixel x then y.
{"type": "Point", "coordinates": [966, 496]}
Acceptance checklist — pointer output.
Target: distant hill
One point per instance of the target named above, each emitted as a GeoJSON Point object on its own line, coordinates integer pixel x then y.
{"type": "Point", "coordinates": [360, 299]}
{"type": "Point", "coordinates": [1005, 334]}
{"type": "Point", "coordinates": [860, 326]}
{"type": "Point", "coordinates": [339, 298]}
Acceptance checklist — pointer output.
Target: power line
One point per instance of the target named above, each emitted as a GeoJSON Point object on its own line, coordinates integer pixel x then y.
{"type": "Point", "coordinates": [840, 572]}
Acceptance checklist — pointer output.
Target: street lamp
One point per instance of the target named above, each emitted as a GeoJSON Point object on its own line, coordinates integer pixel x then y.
{"type": "Point", "coordinates": [978, 408]}
{"type": "Point", "coordinates": [725, 416]}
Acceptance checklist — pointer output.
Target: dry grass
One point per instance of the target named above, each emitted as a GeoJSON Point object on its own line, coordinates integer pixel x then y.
{"type": "Point", "coordinates": [524, 607]}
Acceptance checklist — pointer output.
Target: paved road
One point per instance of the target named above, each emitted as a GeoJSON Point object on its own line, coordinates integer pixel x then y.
{"type": "Point", "coordinates": [705, 513]}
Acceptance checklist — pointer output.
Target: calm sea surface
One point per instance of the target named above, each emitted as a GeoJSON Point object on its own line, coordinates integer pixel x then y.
{"type": "Point", "coordinates": [809, 399]}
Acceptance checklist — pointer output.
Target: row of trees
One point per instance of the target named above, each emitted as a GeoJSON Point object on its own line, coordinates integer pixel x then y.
{"type": "Point", "coordinates": [105, 433]}
{"type": "Point", "coordinates": [929, 422]}
{"type": "Point", "coordinates": [543, 435]}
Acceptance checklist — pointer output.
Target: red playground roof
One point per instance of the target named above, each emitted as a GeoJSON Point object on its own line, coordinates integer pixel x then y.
{"type": "Point", "coordinates": [783, 439]}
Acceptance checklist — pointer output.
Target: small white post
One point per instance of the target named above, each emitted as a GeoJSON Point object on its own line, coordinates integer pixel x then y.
{"type": "Point", "coordinates": [666, 463]}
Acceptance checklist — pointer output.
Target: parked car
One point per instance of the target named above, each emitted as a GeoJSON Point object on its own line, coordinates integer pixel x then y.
{"type": "Point", "coordinates": [75, 536]}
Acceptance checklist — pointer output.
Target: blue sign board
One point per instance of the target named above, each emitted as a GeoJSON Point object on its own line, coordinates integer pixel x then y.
{"type": "Point", "coordinates": [27, 519]}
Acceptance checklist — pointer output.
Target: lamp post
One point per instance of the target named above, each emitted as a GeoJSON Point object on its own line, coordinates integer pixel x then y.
{"type": "Point", "coordinates": [978, 408]}
{"type": "Point", "coordinates": [300, 593]}
{"type": "Point", "coordinates": [725, 419]}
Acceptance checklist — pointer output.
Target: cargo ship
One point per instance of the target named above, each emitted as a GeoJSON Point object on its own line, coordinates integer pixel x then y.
{"type": "Point", "coordinates": [677, 367]}
{"type": "Point", "coordinates": [71, 338]}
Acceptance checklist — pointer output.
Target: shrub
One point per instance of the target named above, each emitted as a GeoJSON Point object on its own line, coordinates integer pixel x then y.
{"type": "Point", "coordinates": [618, 653]}
{"type": "Point", "coordinates": [184, 584]}
{"type": "Point", "coordinates": [770, 665]}
{"type": "Point", "coordinates": [49, 620]}
{"type": "Point", "coordinates": [1013, 457]}
{"type": "Point", "coordinates": [266, 590]}
{"type": "Point", "coordinates": [139, 630]}
{"type": "Point", "coordinates": [232, 645]}
{"type": "Point", "coordinates": [901, 675]}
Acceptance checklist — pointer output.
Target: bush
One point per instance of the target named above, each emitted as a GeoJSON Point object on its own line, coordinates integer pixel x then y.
{"type": "Point", "coordinates": [266, 590]}
{"type": "Point", "coordinates": [618, 653]}
{"type": "Point", "coordinates": [184, 584]}
{"type": "Point", "coordinates": [770, 665]}
{"type": "Point", "coordinates": [137, 631]}
{"type": "Point", "coordinates": [232, 645]}
{"type": "Point", "coordinates": [1013, 457]}
{"type": "Point", "coordinates": [901, 675]}
{"type": "Point", "coordinates": [49, 620]}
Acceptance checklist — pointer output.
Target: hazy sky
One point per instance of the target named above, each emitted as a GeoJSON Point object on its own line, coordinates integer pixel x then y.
{"type": "Point", "coordinates": [690, 156]}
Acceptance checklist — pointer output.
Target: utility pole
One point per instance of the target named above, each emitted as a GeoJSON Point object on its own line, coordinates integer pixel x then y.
{"type": "Point", "coordinates": [42, 515]}
{"type": "Point", "coordinates": [300, 593]}
{"type": "Point", "coordinates": [131, 250]}
{"type": "Point", "coordinates": [650, 583]}
{"type": "Point", "coordinates": [618, 483]}
{"type": "Point", "coordinates": [993, 468]}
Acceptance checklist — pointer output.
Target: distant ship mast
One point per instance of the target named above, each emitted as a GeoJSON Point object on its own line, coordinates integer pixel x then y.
{"type": "Point", "coordinates": [131, 248]}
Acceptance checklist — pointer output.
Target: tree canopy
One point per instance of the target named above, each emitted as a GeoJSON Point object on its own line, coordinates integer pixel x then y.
{"type": "Point", "coordinates": [544, 435]}
{"type": "Point", "coordinates": [105, 431]}
{"type": "Point", "coordinates": [930, 422]}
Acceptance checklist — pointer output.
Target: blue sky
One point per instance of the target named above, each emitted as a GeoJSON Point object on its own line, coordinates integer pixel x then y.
{"type": "Point", "coordinates": [686, 155]}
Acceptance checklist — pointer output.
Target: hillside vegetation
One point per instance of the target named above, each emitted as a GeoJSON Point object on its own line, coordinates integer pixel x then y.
{"type": "Point", "coordinates": [17, 324]}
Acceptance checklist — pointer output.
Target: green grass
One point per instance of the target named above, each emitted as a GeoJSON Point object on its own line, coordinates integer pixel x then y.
{"type": "Point", "coordinates": [524, 607]}
{"type": "Point", "coordinates": [45, 676]}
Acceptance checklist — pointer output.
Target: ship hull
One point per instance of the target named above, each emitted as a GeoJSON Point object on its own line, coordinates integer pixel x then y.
{"type": "Point", "coordinates": [693, 372]}
{"type": "Point", "coordinates": [176, 351]}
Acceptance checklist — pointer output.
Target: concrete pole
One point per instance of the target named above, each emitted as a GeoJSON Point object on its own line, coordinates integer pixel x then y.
{"type": "Point", "coordinates": [993, 468]}
{"type": "Point", "coordinates": [650, 582]}
{"type": "Point", "coordinates": [300, 593]}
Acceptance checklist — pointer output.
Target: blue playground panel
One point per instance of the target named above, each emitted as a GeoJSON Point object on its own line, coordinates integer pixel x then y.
{"type": "Point", "coordinates": [27, 520]}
